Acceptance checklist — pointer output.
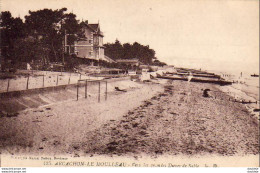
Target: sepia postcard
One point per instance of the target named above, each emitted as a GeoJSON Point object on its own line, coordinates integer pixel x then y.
{"type": "Point", "coordinates": [129, 83]}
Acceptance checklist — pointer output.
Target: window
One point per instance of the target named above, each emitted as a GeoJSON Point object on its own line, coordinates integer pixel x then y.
{"type": "Point", "coordinates": [90, 41]}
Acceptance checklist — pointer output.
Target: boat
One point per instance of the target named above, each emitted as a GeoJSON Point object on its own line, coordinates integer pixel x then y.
{"type": "Point", "coordinates": [200, 80]}
{"type": "Point", "coordinates": [254, 75]}
{"type": "Point", "coordinates": [196, 74]}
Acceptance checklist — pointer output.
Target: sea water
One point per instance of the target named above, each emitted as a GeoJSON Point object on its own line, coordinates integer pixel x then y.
{"type": "Point", "coordinates": [245, 87]}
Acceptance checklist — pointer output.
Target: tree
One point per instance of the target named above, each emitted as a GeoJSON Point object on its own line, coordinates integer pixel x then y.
{"type": "Point", "coordinates": [130, 51]}
{"type": "Point", "coordinates": [31, 49]}
{"type": "Point", "coordinates": [70, 27]}
{"type": "Point", "coordinates": [43, 25]}
{"type": "Point", "coordinates": [11, 30]}
{"type": "Point", "coordinates": [49, 26]}
{"type": "Point", "coordinates": [114, 50]}
{"type": "Point", "coordinates": [40, 37]}
{"type": "Point", "coordinates": [158, 63]}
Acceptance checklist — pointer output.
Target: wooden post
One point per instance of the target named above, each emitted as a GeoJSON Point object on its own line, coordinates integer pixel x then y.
{"type": "Point", "coordinates": [77, 91]}
{"type": "Point", "coordinates": [86, 89]}
{"type": "Point", "coordinates": [106, 91]}
{"type": "Point", "coordinates": [43, 80]}
{"type": "Point", "coordinates": [57, 82]}
{"type": "Point", "coordinates": [80, 76]}
{"type": "Point", "coordinates": [8, 82]}
{"type": "Point", "coordinates": [69, 79]}
{"type": "Point", "coordinates": [99, 91]}
{"type": "Point", "coordinates": [27, 85]}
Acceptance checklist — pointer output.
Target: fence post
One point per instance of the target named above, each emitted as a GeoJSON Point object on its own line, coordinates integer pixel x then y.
{"type": "Point", "coordinates": [106, 91]}
{"type": "Point", "coordinates": [43, 80]}
{"type": "Point", "coordinates": [99, 91]}
{"type": "Point", "coordinates": [69, 79]}
{"type": "Point", "coordinates": [57, 80]}
{"type": "Point", "coordinates": [86, 89]}
{"type": "Point", "coordinates": [8, 82]}
{"type": "Point", "coordinates": [77, 91]}
{"type": "Point", "coordinates": [27, 85]}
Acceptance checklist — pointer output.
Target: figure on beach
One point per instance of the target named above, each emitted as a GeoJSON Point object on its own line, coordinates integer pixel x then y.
{"type": "Point", "coordinates": [190, 76]}
{"type": "Point", "coordinates": [205, 92]}
{"type": "Point", "coordinates": [28, 66]}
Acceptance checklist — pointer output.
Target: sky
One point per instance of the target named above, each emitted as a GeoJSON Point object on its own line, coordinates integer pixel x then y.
{"type": "Point", "coordinates": [207, 34]}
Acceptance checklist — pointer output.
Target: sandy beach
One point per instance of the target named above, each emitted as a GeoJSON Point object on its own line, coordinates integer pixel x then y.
{"type": "Point", "coordinates": [180, 121]}
{"type": "Point", "coordinates": [55, 127]}
{"type": "Point", "coordinates": [153, 119]}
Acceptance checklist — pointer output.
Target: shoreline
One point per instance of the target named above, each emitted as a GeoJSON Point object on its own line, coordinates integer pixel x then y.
{"type": "Point", "coordinates": [240, 95]}
{"type": "Point", "coordinates": [245, 89]}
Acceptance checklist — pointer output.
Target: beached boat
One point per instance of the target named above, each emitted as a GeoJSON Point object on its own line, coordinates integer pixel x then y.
{"type": "Point", "coordinates": [254, 75]}
{"type": "Point", "coordinates": [197, 75]}
{"type": "Point", "coordinates": [185, 70]}
{"type": "Point", "coordinates": [197, 79]}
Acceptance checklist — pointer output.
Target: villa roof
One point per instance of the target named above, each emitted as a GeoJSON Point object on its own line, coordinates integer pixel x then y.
{"type": "Point", "coordinates": [95, 27]}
